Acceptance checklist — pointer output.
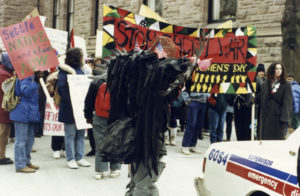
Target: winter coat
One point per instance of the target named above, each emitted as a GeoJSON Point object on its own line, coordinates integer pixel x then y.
{"type": "Point", "coordinates": [221, 104]}
{"type": "Point", "coordinates": [242, 116]}
{"type": "Point", "coordinates": [28, 109]}
{"type": "Point", "coordinates": [276, 110]}
{"type": "Point", "coordinates": [89, 102]}
{"type": "Point", "coordinates": [65, 114]}
{"type": "Point", "coordinates": [296, 97]}
{"type": "Point", "coordinates": [178, 103]}
{"type": "Point", "coordinates": [4, 74]}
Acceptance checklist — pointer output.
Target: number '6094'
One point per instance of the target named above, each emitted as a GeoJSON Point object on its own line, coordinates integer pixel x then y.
{"type": "Point", "coordinates": [218, 156]}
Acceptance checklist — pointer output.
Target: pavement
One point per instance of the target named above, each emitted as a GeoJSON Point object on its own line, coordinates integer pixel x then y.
{"type": "Point", "coordinates": [54, 178]}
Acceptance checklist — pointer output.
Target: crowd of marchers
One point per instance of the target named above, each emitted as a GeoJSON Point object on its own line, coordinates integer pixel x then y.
{"type": "Point", "coordinates": [276, 107]}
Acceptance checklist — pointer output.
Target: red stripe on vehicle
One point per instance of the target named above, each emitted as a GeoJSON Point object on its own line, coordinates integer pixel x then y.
{"type": "Point", "coordinates": [256, 177]}
{"type": "Point", "coordinates": [291, 190]}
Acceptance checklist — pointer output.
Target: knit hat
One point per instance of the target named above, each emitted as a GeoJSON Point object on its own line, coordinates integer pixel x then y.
{"type": "Point", "coordinates": [291, 74]}
{"type": "Point", "coordinates": [260, 67]}
{"type": "Point", "coordinates": [6, 61]}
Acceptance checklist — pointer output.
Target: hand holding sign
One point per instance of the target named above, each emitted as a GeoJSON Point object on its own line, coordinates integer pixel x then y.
{"type": "Point", "coordinates": [28, 47]}
{"type": "Point", "coordinates": [202, 64]}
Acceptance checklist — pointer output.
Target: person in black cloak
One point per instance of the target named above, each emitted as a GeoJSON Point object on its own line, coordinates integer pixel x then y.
{"type": "Point", "coordinates": [141, 86]}
{"type": "Point", "coordinates": [276, 103]}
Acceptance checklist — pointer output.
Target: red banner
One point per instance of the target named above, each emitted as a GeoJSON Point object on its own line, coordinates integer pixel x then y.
{"type": "Point", "coordinates": [28, 47]}
{"type": "Point", "coordinates": [229, 49]}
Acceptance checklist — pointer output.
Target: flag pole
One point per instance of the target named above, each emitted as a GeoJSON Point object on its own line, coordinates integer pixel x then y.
{"type": "Point", "coordinates": [252, 119]}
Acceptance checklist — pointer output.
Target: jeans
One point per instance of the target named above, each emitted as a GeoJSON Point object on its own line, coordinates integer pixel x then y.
{"type": "Point", "coordinates": [24, 142]}
{"type": "Point", "coordinates": [216, 125]}
{"type": "Point", "coordinates": [99, 126]}
{"type": "Point", "coordinates": [74, 142]}
{"type": "Point", "coordinates": [195, 123]}
{"type": "Point", "coordinates": [141, 183]}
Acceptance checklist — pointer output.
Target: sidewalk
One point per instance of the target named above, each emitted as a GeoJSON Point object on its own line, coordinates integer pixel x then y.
{"type": "Point", "coordinates": [54, 178]}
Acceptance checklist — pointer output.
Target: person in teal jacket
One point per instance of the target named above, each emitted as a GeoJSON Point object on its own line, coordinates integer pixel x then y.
{"type": "Point", "coordinates": [25, 115]}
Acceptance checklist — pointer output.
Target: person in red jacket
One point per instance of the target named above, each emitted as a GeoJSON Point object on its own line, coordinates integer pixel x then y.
{"type": "Point", "coordinates": [6, 71]}
{"type": "Point", "coordinates": [98, 100]}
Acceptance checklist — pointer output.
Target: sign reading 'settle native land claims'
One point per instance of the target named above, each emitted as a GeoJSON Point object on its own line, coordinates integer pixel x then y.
{"type": "Point", "coordinates": [232, 50]}
{"type": "Point", "coordinates": [28, 47]}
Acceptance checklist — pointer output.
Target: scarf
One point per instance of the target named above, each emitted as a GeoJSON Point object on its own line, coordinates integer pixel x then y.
{"type": "Point", "coordinates": [275, 85]}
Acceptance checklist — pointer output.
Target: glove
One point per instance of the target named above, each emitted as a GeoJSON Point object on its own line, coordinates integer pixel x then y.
{"type": "Point", "coordinates": [37, 76]}
{"type": "Point", "coordinates": [89, 121]}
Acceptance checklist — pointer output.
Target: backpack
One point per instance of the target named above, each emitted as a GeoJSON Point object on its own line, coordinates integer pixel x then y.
{"type": "Point", "coordinates": [102, 102]}
{"type": "Point", "coordinates": [10, 100]}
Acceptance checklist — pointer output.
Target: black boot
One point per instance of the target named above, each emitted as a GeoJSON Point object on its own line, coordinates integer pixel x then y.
{"type": "Point", "coordinates": [182, 128]}
{"type": "Point", "coordinates": [200, 136]}
{"type": "Point", "coordinates": [6, 161]}
{"type": "Point", "coordinates": [91, 153]}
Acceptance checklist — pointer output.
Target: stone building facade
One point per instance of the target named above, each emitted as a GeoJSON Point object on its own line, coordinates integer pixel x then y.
{"type": "Point", "coordinates": [266, 15]}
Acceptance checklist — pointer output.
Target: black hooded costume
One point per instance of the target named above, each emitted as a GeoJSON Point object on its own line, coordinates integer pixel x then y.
{"type": "Point", "coordinates": [141, 87]}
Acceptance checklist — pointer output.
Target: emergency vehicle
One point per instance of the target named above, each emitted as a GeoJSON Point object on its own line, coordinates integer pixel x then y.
{"type": "Point", "coordinates": [251, 168]}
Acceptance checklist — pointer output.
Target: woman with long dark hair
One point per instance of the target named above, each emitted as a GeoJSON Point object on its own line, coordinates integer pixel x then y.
{"type": "Point", "coordinates": [276, 103]}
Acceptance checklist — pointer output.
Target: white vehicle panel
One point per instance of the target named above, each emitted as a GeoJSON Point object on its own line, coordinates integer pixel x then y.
{"type": "Point", "coordinates": [242, 168]}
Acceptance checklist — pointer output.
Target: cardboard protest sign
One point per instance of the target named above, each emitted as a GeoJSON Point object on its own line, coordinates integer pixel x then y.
{"type": "Point", "coordinates": [78, 86]}
{"type": "Point", "coordinates": [59, 40]}
{"type": "Point", "coordinates": [51, 124]}
{"type": "Point", "coordinates": [232, 50]}
{"type": "Point", "coordinates": [2, 45]}
{"type": "Point", "coordinates": [98, 49]}
{"type": "Point", "coordinates": [32, 14]}
{"type": "Point", "coordinates": [28, 47]}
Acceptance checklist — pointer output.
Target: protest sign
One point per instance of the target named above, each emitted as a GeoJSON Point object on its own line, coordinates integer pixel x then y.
{"type": "Point", "coordinates": [28, 47]}
{"type": "Point", "coordinates": [98, 49]}
{"type": "Point", "coordinates": [2, 45]}
{"type": "Point", "coordinates": [59, 41]}
{"type": "Point", "coordinates": [78, 86]}
{"type": "Point", "coordinates": [232, 50]}
{"type": "Point", "coordinates": [51, 124]}
{"type": "Point", "coordinates": [32, 14]}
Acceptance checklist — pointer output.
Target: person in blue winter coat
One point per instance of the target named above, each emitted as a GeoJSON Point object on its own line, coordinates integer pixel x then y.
{"type": "Point", "coordinates": [74, 139]}
{"type": "Point", "coordinates": [296, 100]}
{"type": "Point", "coordinates": [25, 115]}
